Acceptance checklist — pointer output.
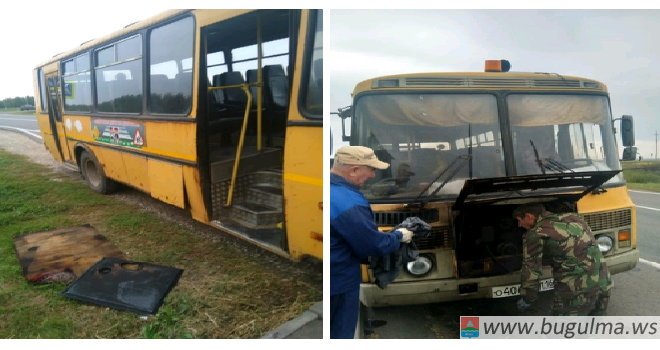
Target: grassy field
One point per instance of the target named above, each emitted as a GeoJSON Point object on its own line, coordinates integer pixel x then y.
{"type": "Point", "coordinates": [16, 111]}
{"type": "Point", "coordinates": [643, 175]}
{"type": "Point", "coordinates": [224, 291]}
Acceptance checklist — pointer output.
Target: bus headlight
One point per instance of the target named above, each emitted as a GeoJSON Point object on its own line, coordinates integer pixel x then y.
{"type": "Point", "coordinates": [420, 266]}
{"type": "Point", "coordinates": [605, 243]}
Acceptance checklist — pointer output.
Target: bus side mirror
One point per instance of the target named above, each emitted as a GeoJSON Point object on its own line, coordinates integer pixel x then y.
{"type": "Point", "coordinates": [627, 131]}
{"type": "Point", "coordinates": [629, 153]}
{"type": "Point", "coordinates": [344, 113]}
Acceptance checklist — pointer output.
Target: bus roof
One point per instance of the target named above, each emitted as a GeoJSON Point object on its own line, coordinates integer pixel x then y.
{"type": "Point", "coordinates": [483, 80]}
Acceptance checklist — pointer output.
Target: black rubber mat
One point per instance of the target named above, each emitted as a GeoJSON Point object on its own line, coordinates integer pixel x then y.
{"type": "Point", "coordinates": [125, 285]}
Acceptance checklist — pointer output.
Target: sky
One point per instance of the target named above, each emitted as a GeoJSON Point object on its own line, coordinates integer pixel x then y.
{"type": "Point", "coordinates": [26, 42]}
{"type": "Point", "coordinates": [616, 47]}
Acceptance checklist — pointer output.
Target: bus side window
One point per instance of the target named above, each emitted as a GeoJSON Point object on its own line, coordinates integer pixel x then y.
{"type": "Point", "coordinates": [314, 95]}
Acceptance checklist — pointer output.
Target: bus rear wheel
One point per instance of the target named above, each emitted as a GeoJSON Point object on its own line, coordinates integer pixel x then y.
{"type": "Point", "coordinates": [94, 176]}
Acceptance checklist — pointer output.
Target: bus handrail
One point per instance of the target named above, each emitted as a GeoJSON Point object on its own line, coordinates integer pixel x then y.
{"type": "Point", "coordinates": [239, 149]}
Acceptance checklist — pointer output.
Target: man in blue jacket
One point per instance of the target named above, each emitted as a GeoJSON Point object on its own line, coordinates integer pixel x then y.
{"type": "Point", "coordinates": [354, 235]}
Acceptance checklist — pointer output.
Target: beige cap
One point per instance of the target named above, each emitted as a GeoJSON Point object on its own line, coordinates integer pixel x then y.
{"type": "Point", "coordinates": [359, 155]}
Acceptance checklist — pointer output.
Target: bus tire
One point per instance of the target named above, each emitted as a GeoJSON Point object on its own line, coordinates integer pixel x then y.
{"type": "Point", "coordinates": [94, 175]}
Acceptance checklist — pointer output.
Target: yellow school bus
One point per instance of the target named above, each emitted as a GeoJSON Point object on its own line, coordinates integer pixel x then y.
{"type": "Point", "coordinates": [464, 150]}
{"type": "Point", "coordinates": [215, 111]}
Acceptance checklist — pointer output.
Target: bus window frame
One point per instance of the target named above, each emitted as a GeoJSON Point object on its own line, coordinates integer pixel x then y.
{"type": "Point", "coordinates": [94, 69]}
{"type": "Point", "coordinates": [75, 72]}
{"type": "Point", "coordinates": [307, 66]}
{"type": "Point", "coordinates": [43, 89]}
{"type": "Point", "coordinates": [147, 72]}
{"type": "Point", "coordinates": [502, 109]}
{"type": "Point", "coordinates": [505, 95]}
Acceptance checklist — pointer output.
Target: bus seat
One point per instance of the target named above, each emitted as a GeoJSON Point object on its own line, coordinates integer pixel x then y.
{"type": "Point", "coordinates": [276, 86]}
{"type": "Point", "coordinates": [251, 76]}
{"type": "Point", "coordinates": [219, 95]}
{"type": "Point", "coordinates": [428, 162]}
{"type": "Point", "coordinates": [184, 83]}
{"type": "Point", "coordinates": [159, 85]}
{"type": "Point", "coordinates": [489, 160]}
{"type": "Point", "coordinates": [234, 96]}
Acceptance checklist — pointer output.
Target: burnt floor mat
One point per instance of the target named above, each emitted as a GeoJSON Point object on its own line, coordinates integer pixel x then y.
{"type": "Point", "coordinates": [60, 256]}
{"type": "Point", "coordinates": [125, 285]}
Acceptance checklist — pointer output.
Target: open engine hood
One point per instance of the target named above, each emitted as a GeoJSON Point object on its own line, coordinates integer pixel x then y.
{"type": "Point", "coordinates": [521, 189]}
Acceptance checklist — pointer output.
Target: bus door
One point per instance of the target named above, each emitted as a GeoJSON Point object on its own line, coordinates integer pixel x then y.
{"type": "Point", "coordinates": [303, 148]}
{"type": "Point", "coordinates": [55, 117]}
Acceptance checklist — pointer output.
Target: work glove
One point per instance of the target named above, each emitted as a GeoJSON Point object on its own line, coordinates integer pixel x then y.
{"type": "Point", "coordinates": [407, 235]}
{"type": "Point", "coordinates": [522, 305]}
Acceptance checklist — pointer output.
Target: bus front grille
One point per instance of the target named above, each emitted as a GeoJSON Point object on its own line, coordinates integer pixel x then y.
{"type": "Point", "coordinates": [609, 220]}
{"type": "Point", "coordinates": [440, 237]}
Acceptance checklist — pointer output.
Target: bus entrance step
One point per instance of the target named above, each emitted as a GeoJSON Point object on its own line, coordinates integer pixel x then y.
{"type": "Point", "coordinates": [257, 215]}
{"type": "Point", "coordinates": [266, 195]}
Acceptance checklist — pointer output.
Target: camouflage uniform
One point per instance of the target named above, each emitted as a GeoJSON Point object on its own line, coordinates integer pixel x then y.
{"type": "Point", "coordinates": [582, 281]}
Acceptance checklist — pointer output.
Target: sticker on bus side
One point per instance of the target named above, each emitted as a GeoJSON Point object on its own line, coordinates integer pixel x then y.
{"type": "Point", "coordinates": [118, 132]}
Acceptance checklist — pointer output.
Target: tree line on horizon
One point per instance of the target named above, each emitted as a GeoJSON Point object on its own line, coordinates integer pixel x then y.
{"type": "Point", "coordinates": [15, 102]}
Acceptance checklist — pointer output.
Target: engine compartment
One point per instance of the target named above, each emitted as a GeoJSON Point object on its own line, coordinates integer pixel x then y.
{"type": "Point", "coordinates": [488, 239]}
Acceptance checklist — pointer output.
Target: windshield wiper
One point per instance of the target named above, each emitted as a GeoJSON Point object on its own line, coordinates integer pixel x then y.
{"type": "Point", "coordinates": [464, 158]}
{"type": "Point", "coordinates": [536, 156]}
{"type": "Point", "coordinates": [549, 163]}
{"type": "Point", "coordinates": [552, 164]}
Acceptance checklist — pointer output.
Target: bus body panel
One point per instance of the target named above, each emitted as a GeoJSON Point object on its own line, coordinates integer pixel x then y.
{"type": "Point", "coordinates": [303, 190]}
{"type": "Point", "coordinates": [166, 182]}
{"type": "Point", "coordinates": [139, 175]}
{"type": "Point", "coordinates": [618, 198]}
{"type": "Point", "coordinates": [175, 140]}
{"type": "Point", "coordinates": [303, 174]}
{"type": "Point", "coordinates": [113, 164]}
{"type": "Point", "coordinates": [193, 192]}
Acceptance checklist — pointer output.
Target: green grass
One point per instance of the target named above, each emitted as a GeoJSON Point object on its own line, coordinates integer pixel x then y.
{"type": "Point", "coordinates": [17, 111]}
{"type": "Point", "coordinates": [650, 187]}
{"type": "Point", "coordinates": [224, 292]}
{"type": "Point", "coordinates": [644, 176]}
{"type": "Point", "coordinates": [641, 176]}
{"type": "Point", "coordinates": [637, 165]}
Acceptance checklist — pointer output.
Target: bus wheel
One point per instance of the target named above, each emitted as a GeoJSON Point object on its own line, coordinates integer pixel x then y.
{"type": "Point", "coordinates": [94, 176]}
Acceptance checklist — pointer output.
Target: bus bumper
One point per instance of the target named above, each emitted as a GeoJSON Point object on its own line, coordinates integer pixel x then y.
{"type": "Point", "coordinates": [622, 262]}
{"type": "Point", "coordinates": [436, 291]}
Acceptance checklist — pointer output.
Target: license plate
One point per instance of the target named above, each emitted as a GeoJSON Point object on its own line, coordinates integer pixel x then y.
{"type": "Point", "coordinates": [512, 290]}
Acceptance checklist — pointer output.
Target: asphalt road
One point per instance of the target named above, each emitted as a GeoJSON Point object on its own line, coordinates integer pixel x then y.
{"type": "Point", "coordinates": [634, 292]}
{"type": "Point", "coordinates": [27, 124]}
{"type": "Point", "coordinates": [648, 219]}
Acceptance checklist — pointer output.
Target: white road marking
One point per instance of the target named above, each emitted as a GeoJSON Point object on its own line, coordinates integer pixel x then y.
{"type": "Point", "coordinates": [23, 131]}
{"type": "Point", "coordinates": [654, 264]}
{"type": "Point", "coordinates": [656, 209]}
{"type": "Point", "coordinates": [19, 119]}
{"type": "Point", "coordinates": [644, 192]}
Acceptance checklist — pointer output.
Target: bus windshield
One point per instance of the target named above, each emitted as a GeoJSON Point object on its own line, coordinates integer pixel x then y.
{"type": "Point", "coordinates": [573, 131]}
{"type": "Point", "coordinates": [421, 134]}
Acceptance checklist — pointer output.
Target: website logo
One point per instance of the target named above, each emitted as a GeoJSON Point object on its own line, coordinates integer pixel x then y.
{"type": "Point", "coordinates": [469, 327]}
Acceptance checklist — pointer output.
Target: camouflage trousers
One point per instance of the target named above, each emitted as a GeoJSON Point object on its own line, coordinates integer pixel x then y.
{"type": "Point", "coordinates": [582, 305]}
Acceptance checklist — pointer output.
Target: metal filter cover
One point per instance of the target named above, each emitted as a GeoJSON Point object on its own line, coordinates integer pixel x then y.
{"type": "Point", "coordinates": [125, 285]}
